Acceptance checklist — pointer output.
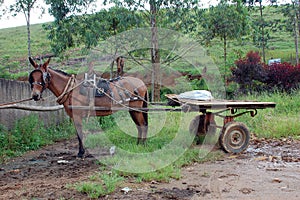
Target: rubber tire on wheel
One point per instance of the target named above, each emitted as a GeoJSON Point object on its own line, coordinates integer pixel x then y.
{"type": "Point", "coordinates": [235, 137]}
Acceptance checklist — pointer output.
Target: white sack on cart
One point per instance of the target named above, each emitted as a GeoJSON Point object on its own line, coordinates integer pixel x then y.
{"type": "Point", "coordinates": [201, 95]}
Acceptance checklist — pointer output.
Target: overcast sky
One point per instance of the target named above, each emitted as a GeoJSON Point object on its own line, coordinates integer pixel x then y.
{"type": "Point", "coordinates": [19, 20]}
{"type": "Point", "coordinates": [36, 18]}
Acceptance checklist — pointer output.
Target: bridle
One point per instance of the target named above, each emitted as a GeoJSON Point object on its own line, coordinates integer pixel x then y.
{"type": "Point", "coordinates": [45, 81]}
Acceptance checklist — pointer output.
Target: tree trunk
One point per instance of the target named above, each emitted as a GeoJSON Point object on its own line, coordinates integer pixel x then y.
{"type": "Point", "coordinates": [225, 49]}
{"type": "Point", "coordinates": [28, 36]}
{"type": "Point", "coordinates": [262, 31]}
{"type": "Point", "coordinates": [297, 30]}
{"type": "Point", "coordinates": [225, 56]}
{"type": "Point", "coordinates": [296, 39]}
{"type": "Point", "coordinates": [155, 57]}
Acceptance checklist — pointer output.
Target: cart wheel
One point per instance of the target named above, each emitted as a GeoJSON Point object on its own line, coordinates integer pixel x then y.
{"type": "Point", "coordinates": [234, 137]}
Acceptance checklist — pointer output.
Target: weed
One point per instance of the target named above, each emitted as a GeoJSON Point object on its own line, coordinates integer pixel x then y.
{"type": "Point", "coordinates": [99, 185]}
{"type": "Point", "coordinates": [283, 121]}
{"type": "Point", "coordinates": [30, 134]}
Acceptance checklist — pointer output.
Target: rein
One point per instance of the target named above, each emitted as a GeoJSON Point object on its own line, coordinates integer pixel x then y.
{"type": "Point", "coordinates": [15, 102]}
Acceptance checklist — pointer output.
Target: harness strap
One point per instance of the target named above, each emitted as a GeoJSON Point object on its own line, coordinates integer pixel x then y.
{"type": "Point", "coordinates": [65, 94]}
{"type": "Point", "coordinates": [120, 92]}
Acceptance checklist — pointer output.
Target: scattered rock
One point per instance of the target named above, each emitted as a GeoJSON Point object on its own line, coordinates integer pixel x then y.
{"type": "Point", "coordinates": [276, 180]}
{"type": "Point", "coordinates": [246, 190]}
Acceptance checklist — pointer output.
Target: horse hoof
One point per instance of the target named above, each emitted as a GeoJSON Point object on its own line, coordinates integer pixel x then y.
{"type": "Point", "coordinates": [141, 142]}
{"type": "Point", "coordinates": [80, 155]}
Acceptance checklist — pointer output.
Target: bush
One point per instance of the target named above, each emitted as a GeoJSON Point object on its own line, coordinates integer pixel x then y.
{"type": "Point", "coordinates": [283, 76]}
{"type": "Point", "coordinates": [254, 76]}
{"type": "Point", "coordinates": [249, 73]}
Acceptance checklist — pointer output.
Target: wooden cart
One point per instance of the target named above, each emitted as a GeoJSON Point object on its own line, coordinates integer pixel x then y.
{"type": "Point", "coordinates": [234, 136]}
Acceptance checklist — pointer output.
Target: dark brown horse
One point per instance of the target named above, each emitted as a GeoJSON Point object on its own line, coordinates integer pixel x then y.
{"type": "Point", "coordinates": [72, 93]}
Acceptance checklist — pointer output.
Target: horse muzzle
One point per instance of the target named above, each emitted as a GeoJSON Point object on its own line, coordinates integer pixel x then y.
{"type": "Point", "coordinates": [36, 95]}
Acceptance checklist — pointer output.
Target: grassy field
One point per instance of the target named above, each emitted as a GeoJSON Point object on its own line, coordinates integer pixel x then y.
{"type": "Point", "coordinates": [281, 122]}
{"type": "Point", "coordinates": [13, 46]}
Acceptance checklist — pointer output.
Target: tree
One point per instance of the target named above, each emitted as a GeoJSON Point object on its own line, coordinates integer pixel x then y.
{"type": "Point", "coordinates": [292, 23]}
{"type": "Point", "coordinates": [25, 7]}
{"type": "Point", "coordinates": [3, 10]}
{"type": "Point", "coordinates": [70, 30]}
{"type": "Point", "coordinates": [70, 22]}
{"type": "Point", "coordinates": [62, 9]}
{"type": "Point", "coordinates": [249, 73]}
{"type": "Point", "coordinates": [261, 27]}
{"type": "Point", "coordinates": [152, 10]}
{"type": "Point", "coordinates": [225, 21]}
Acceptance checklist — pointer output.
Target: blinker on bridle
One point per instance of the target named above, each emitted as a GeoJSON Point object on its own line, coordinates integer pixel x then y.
{"type": "Point", "coordinates": [45, 80]}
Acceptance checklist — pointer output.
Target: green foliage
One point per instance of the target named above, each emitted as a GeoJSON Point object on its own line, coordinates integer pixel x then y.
{"type": "Point", "coordinates": [88, 30]}
{"type": "Point", "coordinates": [107, 122]}
{"type": "Point", "coordinates": [61, 9]}
{"type": "Point", "coordinates": [14, 48]}
{"type": "Point", "coordinates": [30, 134]}
{"type": "Point", "coordinates": [225, 21]}
{"type": "Point", "coordinates": [281, 122]}
{"type": "Point", "coordinates": [99, 185]}
{"type": "Point", "coordinates": [249, 73]}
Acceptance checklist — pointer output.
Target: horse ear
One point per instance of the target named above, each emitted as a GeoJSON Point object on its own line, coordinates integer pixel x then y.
{"type": "Point", "coordinates": [45, 65]}
{"type": "Point", "coordinates": [33, 63]}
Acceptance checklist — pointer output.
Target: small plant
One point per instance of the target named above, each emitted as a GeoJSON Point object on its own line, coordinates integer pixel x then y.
{"type": "Point", "coordinates": [99, 185]}
{"type": "Point", "coordinates": [106, 122]}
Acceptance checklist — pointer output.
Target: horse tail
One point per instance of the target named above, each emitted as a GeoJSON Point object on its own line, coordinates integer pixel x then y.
{"type": "Point", "coordinates": [145, 105]}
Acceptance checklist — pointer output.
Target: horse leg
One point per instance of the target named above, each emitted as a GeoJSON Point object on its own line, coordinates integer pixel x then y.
{"type": "Point", "coordinates": [134, 118]}
{"type": "Point", "coordinates": [145, 119]}
{"type": "Point", "coordinates": [141, 124]}
{"type": "Point", "coordinates": [78, 125]}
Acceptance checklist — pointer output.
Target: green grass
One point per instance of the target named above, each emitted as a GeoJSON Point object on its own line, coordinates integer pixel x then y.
{"type": "Point", "coordinates": [13, 48]}
{"type": "Point", "coordinates": [283, 121]}
{"type": "Point", "coordinates": [169, 147]}
{"type": "Point", "coordinates": [30, 134]}
{"type": "Point", "coordinates": [99, 185]}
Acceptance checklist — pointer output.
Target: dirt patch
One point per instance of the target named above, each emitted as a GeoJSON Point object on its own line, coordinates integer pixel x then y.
{"type": "Point", "coordinates": [45, 174]}
{"type": "Point", "coordinates": [269, 169]}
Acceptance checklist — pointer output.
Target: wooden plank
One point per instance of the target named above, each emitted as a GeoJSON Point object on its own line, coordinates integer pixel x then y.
{"type": "Point", "coordinates": [221, 104]}
{"type": "Point", "coordinates": [97, 108]}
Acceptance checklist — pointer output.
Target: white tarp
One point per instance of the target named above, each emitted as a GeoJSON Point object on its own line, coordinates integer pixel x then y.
{"type": "Point", "coordinates": [202, 95]}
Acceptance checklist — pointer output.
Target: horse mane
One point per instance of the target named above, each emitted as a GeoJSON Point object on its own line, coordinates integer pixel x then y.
{"type": "Point", "coordinates": [61, 72]}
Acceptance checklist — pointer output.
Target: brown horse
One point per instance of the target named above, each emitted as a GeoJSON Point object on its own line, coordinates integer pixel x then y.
{"type": "Point", "coordinates": [72, 93]}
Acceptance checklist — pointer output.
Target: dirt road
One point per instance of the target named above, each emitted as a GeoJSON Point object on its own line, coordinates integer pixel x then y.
{"type": "Point", "coordinates": [268, 170]}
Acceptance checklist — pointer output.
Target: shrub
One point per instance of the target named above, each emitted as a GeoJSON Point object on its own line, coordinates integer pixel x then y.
{"type": "Point", "coordinates": [283, 76]}
{"type": "Point", "coordinates": [249, 73]}
{"type": "Point", "coordinates": [252, 75]}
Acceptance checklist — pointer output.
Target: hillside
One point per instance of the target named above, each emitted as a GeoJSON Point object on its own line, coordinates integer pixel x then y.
{"type": "Point", "coordinates": [13, 46]}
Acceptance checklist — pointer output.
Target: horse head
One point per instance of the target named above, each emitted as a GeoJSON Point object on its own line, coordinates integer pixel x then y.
{"type": "Point", "coordinates": [39, 78]}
